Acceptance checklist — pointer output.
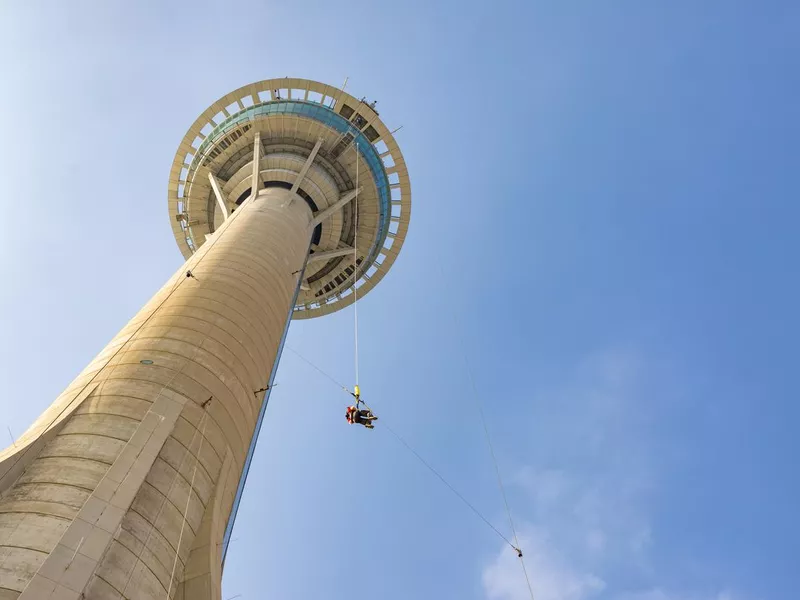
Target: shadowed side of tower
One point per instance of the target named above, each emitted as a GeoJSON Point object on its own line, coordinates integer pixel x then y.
{"type": "Point", "coordinates": [126, 485]}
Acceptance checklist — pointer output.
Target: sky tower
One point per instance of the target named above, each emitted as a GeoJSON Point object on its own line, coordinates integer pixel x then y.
{"type": "Point", "coordinates": [289, 199]}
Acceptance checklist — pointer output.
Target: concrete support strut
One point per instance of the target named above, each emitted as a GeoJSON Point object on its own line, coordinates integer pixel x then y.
{"type": "Point", "coordinates": [218, 195]}
{"type": "Point", "coordinates": [329, 254]}
{"type": "Point", "coordinates": [322, 215]}
{"type": "Point", "coordinates": [130, 475]}
{"type": "Point", "coordinates": [309, 161]}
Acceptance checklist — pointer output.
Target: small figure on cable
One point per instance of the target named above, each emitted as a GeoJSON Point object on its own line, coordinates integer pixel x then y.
{"type": "Point", "coordinates": [360, 416]}
{"type": "Point", "coordinates": [354, 414]}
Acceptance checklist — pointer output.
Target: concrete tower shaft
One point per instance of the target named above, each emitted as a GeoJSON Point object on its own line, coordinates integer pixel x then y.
{"type": "Point", "coordinates": [100, 505]}
{"type": "Point", "coordinates": [286, 196]}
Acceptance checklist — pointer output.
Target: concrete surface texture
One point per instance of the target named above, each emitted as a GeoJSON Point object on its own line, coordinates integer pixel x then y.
{"type": "Point", "coordinates": [131, 494]}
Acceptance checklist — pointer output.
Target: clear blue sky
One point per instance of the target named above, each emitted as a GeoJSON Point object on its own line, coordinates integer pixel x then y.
{"type": "Point", "coordinates": [605, 222]}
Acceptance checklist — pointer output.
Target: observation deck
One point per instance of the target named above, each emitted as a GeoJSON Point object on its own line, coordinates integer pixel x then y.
{"type": "Point", "coordinates": [318, 141]}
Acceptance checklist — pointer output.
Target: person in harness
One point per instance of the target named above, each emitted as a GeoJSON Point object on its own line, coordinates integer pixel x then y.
{"type": "Point", "coordinates": [361, 416]}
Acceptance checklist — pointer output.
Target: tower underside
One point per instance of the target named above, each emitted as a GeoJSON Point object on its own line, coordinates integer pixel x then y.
{"type": "Point", "coordinates": [325, 143]}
